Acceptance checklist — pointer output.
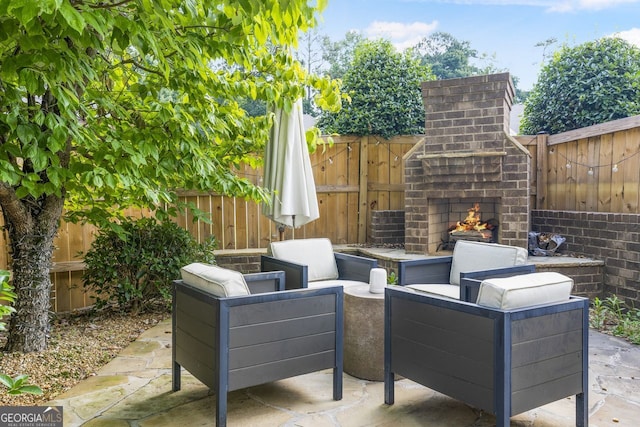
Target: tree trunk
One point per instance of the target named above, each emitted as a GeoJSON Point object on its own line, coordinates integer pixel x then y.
{"type": "Point", "coordinates": [32, 228]}
{"type": "Point", "coordinates": [29, 325]}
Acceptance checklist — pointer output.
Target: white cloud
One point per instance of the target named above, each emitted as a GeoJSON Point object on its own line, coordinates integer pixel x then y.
{"type": "Point", "coordinates": [573, 5]}
{"type": "Point", "coordinates": [402, 35]}
{"type": "Point", "coordinates": [632, 36]}
{"type": "Point", "coordinates": [550, 6]}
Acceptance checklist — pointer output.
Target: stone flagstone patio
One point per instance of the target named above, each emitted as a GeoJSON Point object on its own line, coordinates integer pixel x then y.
{"type": "Point", "coordinates": [135, 390]}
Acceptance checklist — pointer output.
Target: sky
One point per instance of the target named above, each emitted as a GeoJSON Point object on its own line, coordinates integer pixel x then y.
{"type": "Point", "coordinates": [506, 29]}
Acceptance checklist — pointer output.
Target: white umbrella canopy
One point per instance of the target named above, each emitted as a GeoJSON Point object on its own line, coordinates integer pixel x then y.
{"type": "Point", "coordinates": [287, 171]}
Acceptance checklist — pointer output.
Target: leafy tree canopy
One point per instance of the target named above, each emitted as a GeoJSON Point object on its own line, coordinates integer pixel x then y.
{"type": "Point", "coordinates": [110, 104]}
{"type": "Point", "coordinates": [450, 58]}
{"type": "Point", "coordinates": [386, 98]}
{"type": "Point", "coordinates": [591, 83]}
{"type": "Point", "coordinates": [447, 56]}
{"type": "Point", "coordinates": [339, 54]}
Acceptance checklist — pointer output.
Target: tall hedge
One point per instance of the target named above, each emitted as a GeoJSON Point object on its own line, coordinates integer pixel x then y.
{"type": "Point", "coordinates": [588, 84]}
{"type": "Point", "coordinates": [384, 87]}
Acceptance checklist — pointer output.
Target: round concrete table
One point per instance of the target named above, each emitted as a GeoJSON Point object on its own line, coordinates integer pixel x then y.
{"type": "Point", "coordinates": [364, 333]}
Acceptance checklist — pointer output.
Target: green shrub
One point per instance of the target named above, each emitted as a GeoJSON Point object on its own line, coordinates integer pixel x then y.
{"type": "Point", "coordinates": [612, 316]}
{"type": "Point", "coordinates": [135, 266]}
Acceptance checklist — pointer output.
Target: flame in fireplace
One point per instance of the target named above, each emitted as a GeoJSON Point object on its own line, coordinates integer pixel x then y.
{"type": "Point", "coordinates": [473, 222]}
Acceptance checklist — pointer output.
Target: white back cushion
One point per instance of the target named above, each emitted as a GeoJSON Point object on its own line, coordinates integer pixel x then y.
{"type": "Point", "coordinates": [525, 290]}
{"type": "Point", "coordinates": [474, 256]}
{"type": "Point", "coordinates": [215, 280]}
{"type": "Point", "coordinates": [316, 253]}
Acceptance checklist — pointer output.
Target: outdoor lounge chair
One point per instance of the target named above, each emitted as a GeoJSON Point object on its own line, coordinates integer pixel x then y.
{"type": "Point", "coordinates": [522, 345]}
{"type": "Point", "coordinates": [230, 338]}
{"type": "Point", "coordinates": [312, 263]}
{"type": "Point", "coordinates": [442, 275]}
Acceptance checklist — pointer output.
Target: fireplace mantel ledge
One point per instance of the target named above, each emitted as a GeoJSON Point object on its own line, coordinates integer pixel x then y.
{"type": "Point", "coordinates": [461, 154]}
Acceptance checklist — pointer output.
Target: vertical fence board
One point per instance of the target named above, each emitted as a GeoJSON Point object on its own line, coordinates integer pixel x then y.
{"type": "Point", "coordinates": [61, 298]}
{"type": "Point", "coordinates": [632, 147]}
{"type": "Point", "coordinates": [396, 174]}
{"type": "Point", "coordinates": [605, 175]}
{"type": "Point", "coordinates": [617, 179]}
{"type": "Point", "coordinates": [240, 227]}
{"type": "Point", "coordinates": [363, 211]}
{"type": "Point", "coordinates": [341, 180]}
{"type": "Point", "coordinates": [561, 175]}
{"type": "Point", "coordinates": [593, 175]}
{"type": "Point", "coordinates": [353, 199]}
{"type": "Point", "coordinates": [77, 297]}
{"type": "Point", "coordinates": [582, 177]}
{"type": "Point", "coordinates": [217, 215]}
{"type": "Point", "coordinates": [634, 135]}
{"type": "Point", "coordinates": [333, 168]}
{"type": "Point", "coordinates": [60, 244]}
{"type": "Point", "coordinates": [571, 169]}
{"type": "Point", "coordinates": [384, 176]}
{"type": "Point", "coordinates": [320, 163]}
{"type": "Point", "coordinates": [539, 172]}
{"type": "Point", "coordinates": [228, 234]}
{"type": "Point", "coordinates": [191, 224]}
{"type": "Point", "coordinates": [553, 161]}
{"type": "Point", "coordinates": [375, 175]}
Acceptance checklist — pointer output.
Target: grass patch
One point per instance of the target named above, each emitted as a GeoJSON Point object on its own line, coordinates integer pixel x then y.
{"type": "Point", "coordinates": [612, 316]}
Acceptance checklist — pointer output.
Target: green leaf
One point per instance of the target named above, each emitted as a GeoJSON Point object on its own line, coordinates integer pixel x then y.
{"type": "Point", "coordinates": [31, 389]}
{"type": "Point", "coordinates": [73, 17]}
{"type": "Point", "coordinates": [40, 160]}
{"type": "Point", "coordinates": [6, 380]}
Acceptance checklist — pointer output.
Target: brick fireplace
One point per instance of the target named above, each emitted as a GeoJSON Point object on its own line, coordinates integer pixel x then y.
{"type": "Point", "coordinates": [466, 158]}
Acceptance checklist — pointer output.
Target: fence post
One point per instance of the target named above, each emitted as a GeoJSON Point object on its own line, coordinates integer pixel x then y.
{"type": "Point", "coordinates": [362, 196]}
{"type": "Point", "coordinates": [541, 170]}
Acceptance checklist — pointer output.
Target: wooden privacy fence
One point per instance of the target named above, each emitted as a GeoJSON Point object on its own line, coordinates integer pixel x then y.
{"type": "Point", "coordinates": [353, 177]}
{"type": "Point", "coordinates": [594, 169]}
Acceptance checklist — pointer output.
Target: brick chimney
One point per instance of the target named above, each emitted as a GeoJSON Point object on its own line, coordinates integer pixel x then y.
{"type": "Point", "coordinates": [467, 157]}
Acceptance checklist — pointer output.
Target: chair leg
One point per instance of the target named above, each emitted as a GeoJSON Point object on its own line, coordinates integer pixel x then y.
{"type": "Point", "coordinates": [502, 416]}
{"type": "Point", "coordinates": [221, 409]}
{"type": "Point", "coordinates": [389, 388]}
{"type": "Point", "coordinates": [582, 415]}
{"type": "Point", "coordinates": [337, 384]}
{"type": "Point", "coordinates": [176, 380]}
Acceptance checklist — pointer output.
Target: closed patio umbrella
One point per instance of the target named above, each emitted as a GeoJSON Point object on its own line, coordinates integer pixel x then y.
{"type": "Point", "coordinates": [287, 172]}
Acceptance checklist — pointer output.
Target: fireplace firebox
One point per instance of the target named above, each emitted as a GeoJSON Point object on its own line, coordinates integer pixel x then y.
{"type": "Point", "coordinates": [478, 223]}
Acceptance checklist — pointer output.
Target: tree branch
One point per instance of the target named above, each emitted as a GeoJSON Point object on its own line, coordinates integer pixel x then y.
{"type": "Point", "coordinates": [15, 213]}
{"type": "Point", "coordinates": [142, 67]}
{"type": "Point", "coordinates": [109, 5]}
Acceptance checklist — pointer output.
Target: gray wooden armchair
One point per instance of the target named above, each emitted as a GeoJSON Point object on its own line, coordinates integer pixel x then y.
{"type": "Point", "coordinates": [503, 354]}
{"type": "Point", "coordinates": [312, 263]}
{"type": "Point", "coordinates": [230, 342]}
{"type": "Point", "coordinates": [442, 275]}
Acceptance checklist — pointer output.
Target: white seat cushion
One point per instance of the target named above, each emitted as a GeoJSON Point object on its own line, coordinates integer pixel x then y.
{"type": "Point", "coordinates": [316, 253]}
{"type": "Point", "coordinates": [215, 280]}
{"type": "Point", "coordinates": [525, 290]}
{"type": "Point", "coordinates": [343, 283]}
{"type": "Point", "coordinates": [445, 289]}
{"type": "Point", "coordinates": [475, 256]}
